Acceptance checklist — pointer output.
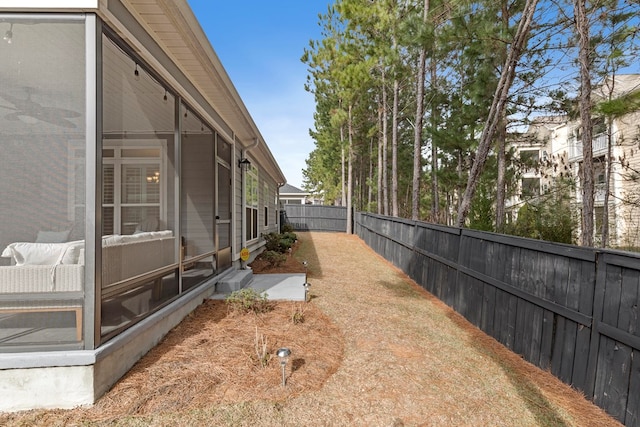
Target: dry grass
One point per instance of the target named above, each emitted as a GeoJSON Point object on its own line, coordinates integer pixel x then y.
{"type": "Point", "coordinates": [374, 349]}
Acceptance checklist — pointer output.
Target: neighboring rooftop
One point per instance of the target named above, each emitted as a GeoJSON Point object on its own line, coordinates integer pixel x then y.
{"type": "Point", "coordinates": [290, 189]}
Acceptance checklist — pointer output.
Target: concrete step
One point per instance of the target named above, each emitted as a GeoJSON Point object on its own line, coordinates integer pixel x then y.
{"type": "Point", "coordinates": [234, 282]}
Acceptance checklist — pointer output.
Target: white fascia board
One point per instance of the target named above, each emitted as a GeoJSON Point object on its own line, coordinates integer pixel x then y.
{"type": "Point", "coordinates": [49, 4]}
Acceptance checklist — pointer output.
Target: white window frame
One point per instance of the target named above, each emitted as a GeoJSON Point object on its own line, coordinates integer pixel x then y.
{"type": "Point", "coordinates": [117, 161]}
{"type": "Point", "coordinates": [252, 202]}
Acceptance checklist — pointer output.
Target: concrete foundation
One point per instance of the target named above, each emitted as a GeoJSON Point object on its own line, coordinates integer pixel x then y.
{"type": "Point", "coordinates": [47, 388]}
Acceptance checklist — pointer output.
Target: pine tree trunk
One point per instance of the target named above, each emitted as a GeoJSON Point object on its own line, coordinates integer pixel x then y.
{"type": "Point", "coordinates": [394, 149]}
{"type": "Point", "coordinates": [370, 178]}
{"type": "Point", "coordinates": [586, 176]}
{"type": "Point", "coordinates": [417, 131]}
{"type": "Point", "coordinates": [496, 111]}
{"type": "Point", "coordinates": [609, 168]}
{"type": "Point", "coordinates": [435, 198]}
{"type": "Point", "coordinates": [385, 148]}
{"type": "Point", "coordinates": [394, 142]}
{"type": "Point", "coordinates": [502, 173]}
{"type": "Point", "coordinates": [380, 164]}
{"type": "Point", "coordinates": [350, 174]}
{"type": "Point", "coordinates": [343, 192]}
{"type": "Point", "coordinates": [607, 184]}
{"type": "Point", "coordinates": [501, 144]}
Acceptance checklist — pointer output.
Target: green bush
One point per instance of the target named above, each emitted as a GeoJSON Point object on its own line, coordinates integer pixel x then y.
{"type": "Point", "coordinates": [548, 217]}
{"type": "Point", "coordinates": [286, 228]}
{"type": "Point", "coordinates": [273, 258]}
{"type": "Point", "coordinates": [272, 241]}
{"type": "Point", "coordinates": [279, 242]}
{"type": "Point", "coordinates": [288, 239]}
{"type": "Point", "coordinates": [248, 300]}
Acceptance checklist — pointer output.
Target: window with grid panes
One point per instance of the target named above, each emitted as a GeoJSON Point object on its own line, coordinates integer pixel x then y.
{"type": "Point", "coordinates": [251, 197]}
{"type": "Point", "coordinates": [131, 188]}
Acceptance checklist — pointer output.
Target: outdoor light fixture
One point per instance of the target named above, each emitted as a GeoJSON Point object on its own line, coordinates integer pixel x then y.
{"type": "Point", "coordinates": [306, 283]}
{"type": "Point", "coordinates": [165, 96]}
{"type": "Point", "coordinates": [283, 353]}
{"type": "Point", "coordinates": [8, 36]}
{"type": "Point", "coordinates": [136, 73]}
{"type": "Point", "coordinates": [244, 163]}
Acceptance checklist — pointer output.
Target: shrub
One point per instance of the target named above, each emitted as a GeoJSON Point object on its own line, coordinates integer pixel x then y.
{"type": "Point", "coordinates": [273, 258]}
{"type": "Point", "coordinates": [289, 237]}
{"type": "Point", "coordinates": [272, 242]}
{"type": "Point", "coordinates": [548, 217]}
{"type": "Point", "coordinates": [297, 316]}
{"type": "Point", "coordinates": [286, 228]}
{"type": "Point", "coordinates": [279, 242]}
{"type": "Point", "coordinates": [248, 300]}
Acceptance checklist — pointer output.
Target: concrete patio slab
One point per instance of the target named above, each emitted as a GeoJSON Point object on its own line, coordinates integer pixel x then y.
{"type": "Point", "coordinates": [279, 287]}
{"type": "Point", "coordinates": [285, 286]}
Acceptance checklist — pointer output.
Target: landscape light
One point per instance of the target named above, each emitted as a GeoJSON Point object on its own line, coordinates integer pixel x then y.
{"type": "Point", "coordinates": [283, 353]}
{"type": "Point", "coordinates": [306, 283]}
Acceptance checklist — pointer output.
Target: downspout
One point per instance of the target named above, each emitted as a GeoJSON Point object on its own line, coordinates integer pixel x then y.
{"type": "Point", "coordinates": [279, 208]}
{"type": "Point", "coordinates": [243, 171]}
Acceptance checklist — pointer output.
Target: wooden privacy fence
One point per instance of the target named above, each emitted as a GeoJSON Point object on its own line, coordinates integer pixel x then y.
{"type": "Point", "coordinates": [568, 309]}
{"type": "Point", "coordinates": [315, 217]}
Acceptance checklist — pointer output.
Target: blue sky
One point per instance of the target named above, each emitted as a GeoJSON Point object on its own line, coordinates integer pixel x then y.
{"type": "Point", "coordinates": [260, 44]}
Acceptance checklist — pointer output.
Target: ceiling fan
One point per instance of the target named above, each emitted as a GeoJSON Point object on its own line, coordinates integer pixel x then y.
{"type": "Point", "coordinates": [30, 111]}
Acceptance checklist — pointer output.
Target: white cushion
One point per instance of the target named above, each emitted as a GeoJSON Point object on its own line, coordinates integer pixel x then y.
{"type": "Point", "coordinates": [26, 253]}
{"type": "Point", "coordinates": [52, 236]}
{"type": "Point", "coordinates": [73, 253]}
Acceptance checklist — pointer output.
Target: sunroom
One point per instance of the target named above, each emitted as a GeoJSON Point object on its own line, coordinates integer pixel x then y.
{"type": "Point", "coordinates": [131, 177]}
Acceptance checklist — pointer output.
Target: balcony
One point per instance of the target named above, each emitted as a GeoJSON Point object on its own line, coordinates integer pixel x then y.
{"type": "Point", "coordinates": [599, 144]}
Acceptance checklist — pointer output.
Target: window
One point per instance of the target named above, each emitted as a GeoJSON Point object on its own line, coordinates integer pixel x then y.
{"type": "Point", "coordinates": [530, 187]}
{"type": "Point", "coordinates": [251, 200]}
{"type": "Point", "coordinates": [265, 199]}
{"type": "Point", "coordinates": [598, 213]}
{"type": "Point", "coordinates": [599, 126]}
{"type": "Point", "coordinates": [530, 159]}
{"type": "Point", "coordinates": [131, 189]}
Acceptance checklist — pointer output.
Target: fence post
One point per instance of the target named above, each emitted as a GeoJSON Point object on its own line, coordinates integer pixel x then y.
{"type": "Point", "coordinates": [596, 317]}
{"type": "Point", "coordinates": [353, 212]}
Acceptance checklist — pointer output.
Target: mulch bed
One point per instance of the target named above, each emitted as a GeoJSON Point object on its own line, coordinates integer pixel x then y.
{"type": "Point", "coordinates": [291, 265]}
{"type": "Point", "coordinates": [212, 357]}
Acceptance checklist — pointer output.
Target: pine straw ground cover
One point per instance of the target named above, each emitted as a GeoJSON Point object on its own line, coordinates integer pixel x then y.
{"type": "Point", "coordinates": [374, 350]}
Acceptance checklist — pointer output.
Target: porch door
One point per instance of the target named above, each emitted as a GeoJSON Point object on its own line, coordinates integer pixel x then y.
{"type": "Point", "coordinates": [223, 205]}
